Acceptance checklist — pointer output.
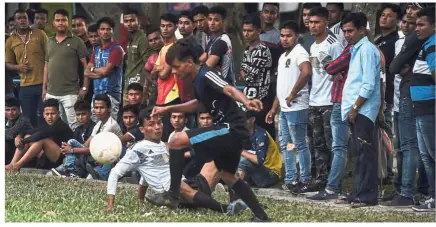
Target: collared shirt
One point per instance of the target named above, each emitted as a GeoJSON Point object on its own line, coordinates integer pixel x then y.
{"type": "Point", "coordinates": [33, 50]}
{"type": "Point", "coordinates": [63, 61]}
{"type": "Point", "coordinates": [137, 55]}
{"type": "Point", "coordinates": [363, 80]}
{"type": "Point", "coordinates": [339, 65]}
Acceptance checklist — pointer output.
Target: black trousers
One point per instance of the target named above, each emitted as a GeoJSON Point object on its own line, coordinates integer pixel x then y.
{"type": "Point", "coordinates": [366, 176]}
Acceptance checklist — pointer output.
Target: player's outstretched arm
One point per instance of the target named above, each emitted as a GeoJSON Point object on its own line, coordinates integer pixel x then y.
{"type": "Point", "coordinates": [187, 107]}
{"type": "Point", "coordinates": [235, 94]}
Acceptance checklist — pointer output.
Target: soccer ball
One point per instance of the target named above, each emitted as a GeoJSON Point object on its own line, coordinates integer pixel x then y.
{"type": "Point", "coordinates": [105, 147]}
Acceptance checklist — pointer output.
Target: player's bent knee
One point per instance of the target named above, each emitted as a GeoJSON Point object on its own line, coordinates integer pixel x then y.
{"type": "Point", "coordinates": [228, 178]}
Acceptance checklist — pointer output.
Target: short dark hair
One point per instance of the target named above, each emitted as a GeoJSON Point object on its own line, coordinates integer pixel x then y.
{"type": "Point", "coordinates": [394, 7]}
{"type": "Point", "coordinates": [359, 20]}
{"type": "Point", "coordinates": [12, 102]}
{"type": "Point", "coordinates": [76, 16]}
{"type": "Point", "coordinates": [51, 103]}
{"type": "Point", "coordinates": [290, 25]}
{"type": "Point", "coordinates": [182, 50]}
{"type": "Point", "coordinates": [253, 19]}
{"type": "Point", "coordinates": [170, 17]}
{"type": "Point", "coordinates": [202, 110]}
{"type": "Point", "coordinates": [62, 12]}
{"type": "Point", "coordinates": [184, 114]}
{"type": "Point", "coordinates": [152, 29]}
{"type": "Point", "coordinates": [20, 11]}
{"type": "Point", "coordinates": [130, 11]}
{"type": "Point", "coordinates": [106, 20]}
{"type": "Point", "coordinates": [134, 108]}
{"type": "Point", "coordinates": [135, 86]}
{"type": "Point", "coordinates": [429, 13]}
{"type": "Point", "coordinates": [310, 5]}
{"type": "Point", "coordinates": [319, 11]}
{"type": "Point", "coordinates": [10, 19]}
{"type": "Point", "coordinates": [337, 4]}
{"type": "Point", "coordinates": [82, 105]}
{"type": "Point", "coordinates": [41, 11]}
{"type": "Point", "coordinates": [218, 10]}
{"type": "Point", "coordinates": [201, 9]}
{"type": "Point", "coordinates": [188, 15]}
{"type": "Point", "coordinates": [276, 4]}
{"type": "Point", "coordinates": [104, 98]}
{"type": "Point", "coordinates": [93, 28]}
{"type": "Point", "coordinates": [144, 114]}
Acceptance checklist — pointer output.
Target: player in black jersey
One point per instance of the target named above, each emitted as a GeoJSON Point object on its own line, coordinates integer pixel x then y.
{"type": "Point", "coordinates": [224, 141]}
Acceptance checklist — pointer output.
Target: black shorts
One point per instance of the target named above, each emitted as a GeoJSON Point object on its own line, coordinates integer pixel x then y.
{"type": "Point", "coordinates": [219, 144]}
{"type": "Point", "coordinates": [199, 183]}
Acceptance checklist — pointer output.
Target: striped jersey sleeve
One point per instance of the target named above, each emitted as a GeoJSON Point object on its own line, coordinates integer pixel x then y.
{"type": "Point", "coordinates": [429, 48]}
{"type": "Point", "coordinates": [214, 80]}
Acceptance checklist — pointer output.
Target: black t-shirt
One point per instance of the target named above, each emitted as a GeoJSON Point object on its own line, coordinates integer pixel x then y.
{"type": "Point", "coordinates": [208, 89]}
{"type": "Point", "coordinates": [59, 132]}
{"type": "Point", "coordinates": [408, 54]}
{"type": "Point", "coordinates": [83, 132]}
{"type": "Point", "coordinates": [133, 132]}
{"type": "Point", "coordinates": [387, 46]}
{"type": "Point", "coordinates": [197, 48]}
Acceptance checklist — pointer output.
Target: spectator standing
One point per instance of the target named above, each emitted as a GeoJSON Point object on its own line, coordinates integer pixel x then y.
{"type": "Point", "coordinates": [25, 53]}
{"type": "Point", "coordinates": [391, 14]}
{"type": "Point", "coordinates": [93, 39]}
{"type": "Point", "coordinates": [269, 15]}
{"type": "Point", "coordinates": [294, 71]}
{"type": "Point", "coordinates": [106, 66]}
{"type": "Point", "coordinates": [61, 81]}
{"type": "Point", "coordinates": [150, 83]}
{"type": "Point", "coordinates": [361, 101]}
{"type": "Point", "coordinates": [138, 51]}
{"type": "Point", "coordinates": [40, 21]}
{"type": "Point", "coordinates": [219, 50]}
{"type": "Point", "coordinates": [306, 39]}
{"type": "Point", "coordinates": [256, 69]}
{"type": "Point", "coordinates": [325, 49]}
{"type": "Point", "coordinates": [336, 12]}
{"type": "Point", "coordinates": [200, 15]}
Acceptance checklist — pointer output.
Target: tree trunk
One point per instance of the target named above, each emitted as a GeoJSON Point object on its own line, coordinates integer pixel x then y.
{"type": "Point", "coordinates": [370, 10]}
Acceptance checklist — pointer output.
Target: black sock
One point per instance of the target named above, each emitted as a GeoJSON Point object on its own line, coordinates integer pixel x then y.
{"type": "Point", "coordinates": [247, 195]}
{"type": "Point", "coordinates": [203, 200]}
{"type": "Point", "coordinates": [233, 196]}
{"type": "Point", "coordinates": [177, 161]}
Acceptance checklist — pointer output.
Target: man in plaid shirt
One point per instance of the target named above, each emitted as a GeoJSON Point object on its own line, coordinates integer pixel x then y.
{"type": "Point", "coordinates": [339, 69]}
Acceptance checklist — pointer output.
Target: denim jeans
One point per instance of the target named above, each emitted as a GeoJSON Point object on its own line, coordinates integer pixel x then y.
{"type": "Point", "coordinates": [426, 140]}
{"type": "Point", "coordinates": [408, 147]}
{"type": "Point", "coordinates": [66, 108]}
{"type": "Point", "coordinates": [293, 126]}
{"type": "Point", "coordinates": [31, 104]}
{"type": "Point", "coordinates": [389, 122]}
{"type": "Point", "coordinates": [259, 175]}
{"type": "Point", "coordinates": [340, 134]}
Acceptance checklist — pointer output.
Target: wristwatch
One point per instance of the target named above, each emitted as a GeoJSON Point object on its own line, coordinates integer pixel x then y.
{"type": "Point", "coordinates": [84, 88]}
{"type": "Point", "coordinates": [355, 107]}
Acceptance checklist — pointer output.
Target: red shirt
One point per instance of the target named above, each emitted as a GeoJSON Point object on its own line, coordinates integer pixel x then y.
{"type": "Point", "coordinates": [339, 65]}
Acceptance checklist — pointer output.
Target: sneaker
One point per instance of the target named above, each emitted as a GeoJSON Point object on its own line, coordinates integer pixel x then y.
{"type": "Point", "coordinates": [398, 201]}
{"type": "Point", "coordinates": [323, 195]}
{"type": "Point", "coordinates": [388, 197]}
{"type": "Point", "coordinates": [290, 187]}
{"type": "Point", "coordinates": [63, 173]}
{"type": "Point", "coordinates": [236, 207]}
{"type": "Point", "coordinates": [302, 188]}
{"type": "Point", "coordinates": [92, 171]}
{"type": "Point", "coordinates": [220, 188]}
{"type": "Point", "coordinates": [169, 201]}
{"type": "Point", "coordinates": [420, 198]}
{"type": "Point", "coordinates": [428, 206]}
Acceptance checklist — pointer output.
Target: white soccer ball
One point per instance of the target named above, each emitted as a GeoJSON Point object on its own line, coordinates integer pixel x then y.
{"type": "Point", "coordinates": [105, 147]}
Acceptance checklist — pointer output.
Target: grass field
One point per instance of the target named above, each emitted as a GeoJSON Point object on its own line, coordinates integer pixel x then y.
{"type": "Point", "coordinates": [36, 198]}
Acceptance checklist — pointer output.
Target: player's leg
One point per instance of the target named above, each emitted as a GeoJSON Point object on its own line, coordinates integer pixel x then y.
{"type": "Point", "coordinates": [19, 152]}
{"type": "Point", "coordinates": [142, 189]}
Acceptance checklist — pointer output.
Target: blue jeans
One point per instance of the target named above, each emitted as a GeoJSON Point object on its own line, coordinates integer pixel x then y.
{"type": "Point", "coordinates": [259, 175]}
{"type": "Point", "coordinates": [408, 147]}
{"type": "Point", "coordinates": [340, 134]}
{"type": "Point", "coordinates": [293, 127]}
{"type": "Point", "coordinates": [31, 104]}
{"type": "Point", "coordinates": [426, 140]}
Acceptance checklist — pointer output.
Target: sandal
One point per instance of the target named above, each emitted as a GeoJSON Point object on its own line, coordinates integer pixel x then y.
{"type": "Point", "coordinates": [342, 201]}
{"type": "Point", "coordinates": [359, 204]}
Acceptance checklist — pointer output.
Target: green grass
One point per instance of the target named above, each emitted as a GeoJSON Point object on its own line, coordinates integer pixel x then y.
{"type": "Point", "coordinates": [36, 198]}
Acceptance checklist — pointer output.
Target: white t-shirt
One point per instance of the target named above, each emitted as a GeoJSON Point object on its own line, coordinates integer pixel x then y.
{"type": "Point", "coordinates": [110, 126]}
{"type": "Point", "coordinates": [398, 44]}
{"type": "Point", "coordinates": [337, 31]}
{"type": "Point", "coordinates": [288, 73]}
{"type": "Point", "coordinates": [320, 55]}
{"type": "Point", "coordinates": [174, 132]}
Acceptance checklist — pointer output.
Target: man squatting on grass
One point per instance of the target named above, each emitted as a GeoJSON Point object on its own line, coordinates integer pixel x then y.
{"type": "Point", "coordinates": [150, 157]}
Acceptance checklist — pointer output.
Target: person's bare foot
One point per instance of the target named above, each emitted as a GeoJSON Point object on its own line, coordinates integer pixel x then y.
{"type": "Point", "coordinates": [11, 167]}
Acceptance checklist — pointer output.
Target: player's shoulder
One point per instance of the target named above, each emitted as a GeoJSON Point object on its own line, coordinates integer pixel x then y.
{"type": "Point", "coordinates": [145, 145]}
{"type": "Point", "coordinates": [430, 42]}
{"type": "Point", "coordinates": [331, 40]}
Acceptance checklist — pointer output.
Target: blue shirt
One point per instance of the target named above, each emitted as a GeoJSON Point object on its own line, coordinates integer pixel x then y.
{"type": "Point", "coordinates": [259, 142]}
{"type": "Point", "coordinates": [363, 80]}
